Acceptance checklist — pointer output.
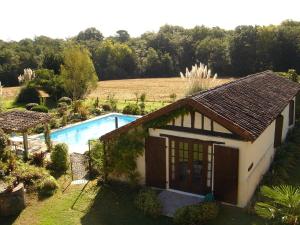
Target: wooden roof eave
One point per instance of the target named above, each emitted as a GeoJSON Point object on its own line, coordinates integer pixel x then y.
{"type": "Point", "coordinates": [144, 119]}
{"type": "Point", "coordinates": [182, 102]}
{"type": "Point", "coordinates": [230, 125]}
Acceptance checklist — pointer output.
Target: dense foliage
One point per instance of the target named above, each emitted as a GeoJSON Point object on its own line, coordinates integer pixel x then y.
{"type": "Point", "coordinates": [78, 72]}
{"type": "Point", "coordinates": [165, 53]}
{"type": "Point", "coordinates": [148, 202]}
{"type": "Point", "coordinates": [60, 158]}
{"type": "Point", "coordinates": [196, 214]}
{"type": "Point", "coordinates": [281, 205]}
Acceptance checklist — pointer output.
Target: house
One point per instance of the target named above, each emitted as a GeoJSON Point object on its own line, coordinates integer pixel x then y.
{"type": "Point", "coordinates": [223, 142]}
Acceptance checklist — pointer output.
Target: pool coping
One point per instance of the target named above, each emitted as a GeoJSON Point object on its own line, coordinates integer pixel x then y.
{"type": "Point", "coordinates": [81, 122]}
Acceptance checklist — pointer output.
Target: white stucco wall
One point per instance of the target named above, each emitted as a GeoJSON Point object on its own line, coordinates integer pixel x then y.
{"type": "Point", "coordinates": [260, 152]}
{"type": "Point", "coordinates": [198, 120]}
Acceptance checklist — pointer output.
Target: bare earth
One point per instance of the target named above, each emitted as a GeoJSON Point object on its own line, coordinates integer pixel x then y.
{"type": "Point", "coordinates": [156, 89]}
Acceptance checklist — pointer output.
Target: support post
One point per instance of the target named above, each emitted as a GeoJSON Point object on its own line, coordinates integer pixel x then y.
{"type": "Point", "coordinates": [116, 122]}
{"type": "Point", "coordinates": [25, 143]}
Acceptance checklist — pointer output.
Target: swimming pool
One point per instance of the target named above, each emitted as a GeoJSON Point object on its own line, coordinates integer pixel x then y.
{"type": "Point", "coordinates": [76, 136]}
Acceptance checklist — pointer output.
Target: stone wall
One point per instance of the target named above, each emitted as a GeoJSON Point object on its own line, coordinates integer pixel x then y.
{"type": "Point", "coordinates": [12, 203]}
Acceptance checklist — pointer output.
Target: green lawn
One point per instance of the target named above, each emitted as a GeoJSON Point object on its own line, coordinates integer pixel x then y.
{"type": "Point", "coordinates": [106, 205]}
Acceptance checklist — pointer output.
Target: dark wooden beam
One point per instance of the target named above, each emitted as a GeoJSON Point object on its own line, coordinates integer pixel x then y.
{"type": "Point", "coordinates": [202, 132]}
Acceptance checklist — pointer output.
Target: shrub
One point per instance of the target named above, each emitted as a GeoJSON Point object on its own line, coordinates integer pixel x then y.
{"type": "Point", "coordinates": [66, 100]}
{"type": "Point", "coordinates": [28, 94]}
{"type": "Point", "coordinates": [39, 129]}
{"type": "Point", "coordinates": [196, 214]}
{"type": "Point", "coordinates": [148, 203]}
{"type": "Point", "coordinates": [40, 108]}
{"type": "Point", "coordinates": [38, 159]}
{"type": "Point", "coordinates": [132, 109]}
{"type": "Point", "coordinates": [97, 157]}
{"type": "Point", "coordinates": [29, 106]}
{"type": "Point", "coordinates": [106, 107]}
{"type": "Point", "coordinates": [28, 174]}
{"type": "Point", "coordinates": [54, 123]}
{"type": "Point", "coordinates": [97, 111]}
{"type": "Point", "coordinates": [3, 141]}
{"type": "Point", "coordinates": [60, 157]}
{"type": "Point", "coordinates": [47, 186]}
{"type": "Point", "coordinates": [64, 120]}
{"type": "Point", "coordinates": [112, 101]}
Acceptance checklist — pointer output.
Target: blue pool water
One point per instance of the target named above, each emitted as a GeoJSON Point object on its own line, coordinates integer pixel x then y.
{"type": "Point", "coordinates": [77, 136]}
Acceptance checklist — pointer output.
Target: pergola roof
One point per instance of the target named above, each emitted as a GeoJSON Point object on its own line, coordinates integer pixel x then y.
{"type": "Point", "coordinates": [21, 121]}
{"type": "Point", "coordinates": [43, 94]}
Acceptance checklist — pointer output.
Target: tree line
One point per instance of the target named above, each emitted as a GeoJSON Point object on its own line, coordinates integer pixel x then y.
{"type": "Point", "coordinates": [238, 52]}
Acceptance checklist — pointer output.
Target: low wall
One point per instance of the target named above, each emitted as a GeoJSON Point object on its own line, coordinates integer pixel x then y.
{"type": "Point", "coordinates": [12, 203]}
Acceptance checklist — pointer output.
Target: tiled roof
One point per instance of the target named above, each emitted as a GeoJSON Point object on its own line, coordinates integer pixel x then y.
{"type": "Point", "coordinates": [20, 121]}
{"type": "Point", "coordinates": [252, 102]}
{"type": "Point", "coordinates": [246, 106]}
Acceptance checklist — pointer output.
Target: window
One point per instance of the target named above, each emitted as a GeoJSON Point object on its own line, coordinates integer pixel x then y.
{"type": "Point", "coordinates": [291, 112]}
{"type": "Point", "coordinates": [197, 161]}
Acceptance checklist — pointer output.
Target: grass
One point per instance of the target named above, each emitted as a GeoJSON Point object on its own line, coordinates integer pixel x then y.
{"type": "Point", "coordinates": [106, 205]}
{"type": "Point", "coordinates": [156, 89]}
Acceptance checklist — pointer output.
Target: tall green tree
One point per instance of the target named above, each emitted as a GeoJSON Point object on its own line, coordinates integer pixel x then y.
{"type": "Point", "coordinates": [90, 34]}
{"type": "Point", "coordinates": [122, 36]}
{"type": "Point", "coordinates": [78, 72]}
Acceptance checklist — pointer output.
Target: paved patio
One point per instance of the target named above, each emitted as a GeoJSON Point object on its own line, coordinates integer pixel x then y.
{"type": "Point", "coordinates": [172, 200]}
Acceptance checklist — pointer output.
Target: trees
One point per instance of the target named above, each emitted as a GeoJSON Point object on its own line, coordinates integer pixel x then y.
{"type": "Point", "coordinates": [282, 204]}
{"type": "Point", "coordinates": [242, 50]}
{"type": "Point", "coordinates": [114, 60]}
{"type": "Point", "coordinates": [90, 34]}
{"type": "Point", "coordinates": [122, 36]}
{"type": "Point", "coordinates": [78, 72]}
{"type": "Point", "coordinates": [247, 49]}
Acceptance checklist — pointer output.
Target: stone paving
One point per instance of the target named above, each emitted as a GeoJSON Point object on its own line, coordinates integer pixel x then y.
{"type": "Point", "coordinates": [172, 200]}
{"type": "Point", "coordinates": [79, 166]}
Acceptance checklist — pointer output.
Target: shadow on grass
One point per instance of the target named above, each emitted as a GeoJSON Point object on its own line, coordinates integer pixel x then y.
{"type": "Point", "coordinates": [8, 220]}
{"type": "Point", "coordinates": [113, 205]}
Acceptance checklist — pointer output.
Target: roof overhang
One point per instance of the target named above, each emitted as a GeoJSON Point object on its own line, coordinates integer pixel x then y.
{"type": "Point", "coordinates": [185, 102]}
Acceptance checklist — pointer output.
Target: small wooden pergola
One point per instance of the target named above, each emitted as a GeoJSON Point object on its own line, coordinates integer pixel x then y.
{"type": "Point", "coordinates": [43, 96]}
{"type": "Point", "coordinates": [20, 122]}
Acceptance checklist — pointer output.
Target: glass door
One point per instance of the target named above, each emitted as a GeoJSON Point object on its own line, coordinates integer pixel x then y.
{"type": "Point", "coordinates": [187, 165]}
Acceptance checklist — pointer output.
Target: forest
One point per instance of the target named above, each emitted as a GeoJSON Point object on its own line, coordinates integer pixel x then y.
{"type": "Point", "coordinates": [238, 52]}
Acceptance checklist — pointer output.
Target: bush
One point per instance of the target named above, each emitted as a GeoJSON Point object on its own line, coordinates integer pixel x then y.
{"type": "Point", "coordinates": [38, 159]}
{"type": "Point", "coordinates": [96, 156]}
{"type": "Point", "coordinates": [132, 109]}
{"type": "Point", "coordinates": [54, 123]}
{"type": "Point", "coordinates": [29, 175]}
{"type": "Point", "coordinates": [106, 107]}
{"type": "Point", "coordinates": [60, 157]}
{"type": "Point", "coordinates": [148, 203]}
{"type": "Point", "coordinates": [39, 129]}
{"type": "Point", "coordinates": [66, 100]}
{"type": "Point", "coordinates": [97, 111]}
{"type": "Point", "coordinates": [28, 94]}
{"type": "Point", "coordinates": [62, 105]}
{"type": "Point", "coordinates": [196, 214]}
{"type": "Point", "coordinates": [47, 186]}
{"type": "Point", "coordinates": [40, 108]}
{"type": "Point", "coordinates": [29, 106]}
{"type": "Point", "coordinates": [3, 141]}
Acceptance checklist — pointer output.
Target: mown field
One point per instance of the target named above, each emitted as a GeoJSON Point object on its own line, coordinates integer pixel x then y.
{"type": "Point", "coordinates": [156, 89]}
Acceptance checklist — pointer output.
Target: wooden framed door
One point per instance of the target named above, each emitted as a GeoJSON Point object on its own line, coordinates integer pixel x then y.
{"type": "Point", "coordinates": [226, 171]}
{"type": "Point", "coordinates": [155, 157]}
{"type": "Point", "coordinates": [187, 165]}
